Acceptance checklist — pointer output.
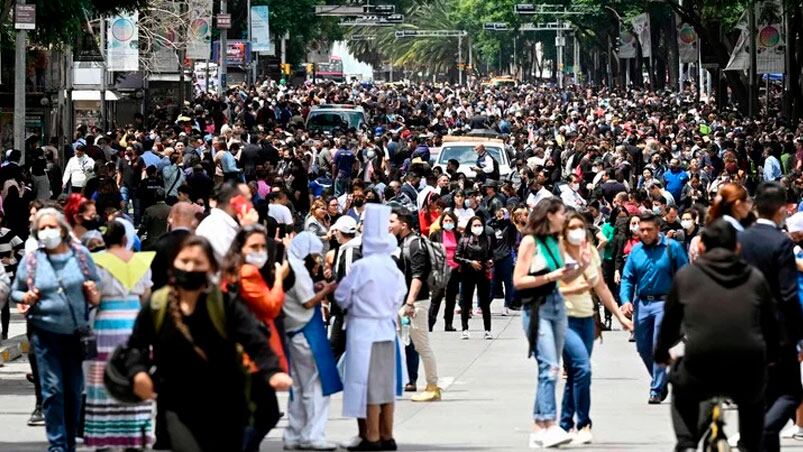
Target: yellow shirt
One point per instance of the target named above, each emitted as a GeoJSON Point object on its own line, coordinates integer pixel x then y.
{"type": "Point", "coordinates": [581, 305]}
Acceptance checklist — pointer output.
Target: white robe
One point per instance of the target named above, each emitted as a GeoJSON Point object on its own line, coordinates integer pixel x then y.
{"type": "Point", "coordinates": [372, 292]}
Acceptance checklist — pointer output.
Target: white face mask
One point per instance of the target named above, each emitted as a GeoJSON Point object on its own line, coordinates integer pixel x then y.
{"type": "Point", "coordinates": [634, 228]}
{"type": "Point", "coordinates": [257, 259]}
{"type": "Point", "coordinates": [370, 154]}
{"type": "Point", "coordinates": [477, 230]}
{"type": "Point", "coordinates": [576, 236]}
{"type": "Point", "coordinates": [687, 224]}
{"type": "Point", "coordinates": [50, 238]}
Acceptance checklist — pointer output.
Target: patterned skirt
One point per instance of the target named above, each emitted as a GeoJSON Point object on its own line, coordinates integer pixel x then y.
{"type": "Point", "coordinates": [110, 423]}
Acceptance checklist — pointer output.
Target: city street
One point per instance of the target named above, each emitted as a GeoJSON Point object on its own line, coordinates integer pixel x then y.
{"type": "Point", "coordinates": [488, 396]}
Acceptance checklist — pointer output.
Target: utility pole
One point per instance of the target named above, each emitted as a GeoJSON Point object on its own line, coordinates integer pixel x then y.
{"type": "Point", "coordinates": [559, 44]}
{"type": "Point", "coordinates": [576, 59]}
{"type": "Point", "coordinates": [221, 70]}
{"type": "Point", "coordinates": [104, 73]}
{"type": "Point", "coordinates": [250, 77]}
{"type": "Point", "coordinates": [182, 53]}
{"type": "Point", "coordinates": [19, 89]}
{"type": "Point", "coordinates": [751, 17]}
{"type": "Point", "coordinates": [460, 60]}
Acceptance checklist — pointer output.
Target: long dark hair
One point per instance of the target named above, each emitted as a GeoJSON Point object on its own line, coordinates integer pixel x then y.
{"type": "Point", "coordinates": [172, 297]}
{"type": "Point", "coordinates": [538, 223]}
{"type": "Point", "coordinates": [234, 257]}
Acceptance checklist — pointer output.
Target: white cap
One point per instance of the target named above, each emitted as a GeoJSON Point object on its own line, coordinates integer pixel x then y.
{"type": "Point", "coordinates": [346, 225]}
{"type": "Point", "coordinates": [795, 222]}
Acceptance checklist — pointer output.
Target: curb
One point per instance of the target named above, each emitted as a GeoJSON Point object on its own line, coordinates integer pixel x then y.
{"type": "Point", "coordinates": [13, 348]}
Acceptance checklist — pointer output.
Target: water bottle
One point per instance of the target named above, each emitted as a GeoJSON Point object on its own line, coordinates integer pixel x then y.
{"type": "Point", "coordinates": [405, 330]}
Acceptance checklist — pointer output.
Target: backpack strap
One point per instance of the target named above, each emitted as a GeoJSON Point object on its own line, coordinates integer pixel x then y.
{"type": "Point", "coordinates": [217, 312]}
{"type": "Point", "coordinates": [159, 307]}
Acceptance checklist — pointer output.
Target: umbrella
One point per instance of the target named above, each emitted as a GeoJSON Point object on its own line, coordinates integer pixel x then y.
{"type": "Point", "coordinates": [128, 273]}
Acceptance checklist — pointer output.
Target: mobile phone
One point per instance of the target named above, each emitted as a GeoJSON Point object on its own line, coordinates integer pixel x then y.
{"type": "Point", "coordinates": [572, 266]}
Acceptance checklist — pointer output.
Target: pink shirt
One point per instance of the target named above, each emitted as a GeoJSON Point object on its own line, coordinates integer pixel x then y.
{"type": "Point", "coordinates": [450, 243]}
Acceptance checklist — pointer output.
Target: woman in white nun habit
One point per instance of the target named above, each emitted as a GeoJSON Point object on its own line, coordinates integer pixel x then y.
{"type": "Point", "coordinates": [372, 293]}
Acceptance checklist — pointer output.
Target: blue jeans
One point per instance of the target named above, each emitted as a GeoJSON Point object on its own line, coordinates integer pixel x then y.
{"type": "Point", "coordinates": [62, 380]}
{"type": "Point", "coordinates": [503, 275]}
{"type": "Point", "coordinates": [342, 185]}
{"type": "Point", "coordinates": [649, 316]}
{"type": "Point", "coordinates": [412, 359]}
{"type": "Point", "coordinates": [551, 335]}
{"type": "Point", "coordinates": [577, 359]}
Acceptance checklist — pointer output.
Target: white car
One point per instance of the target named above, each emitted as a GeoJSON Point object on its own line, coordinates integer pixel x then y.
{"type": "Point", "coordinates": [462, 149]}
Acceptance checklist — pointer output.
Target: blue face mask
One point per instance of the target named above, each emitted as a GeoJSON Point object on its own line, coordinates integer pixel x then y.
{"type": "Point", "coordinates": [448, 226]}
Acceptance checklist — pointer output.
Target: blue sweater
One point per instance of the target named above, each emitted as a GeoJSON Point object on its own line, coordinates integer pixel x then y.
{"type": "Point", "coordinates": [649, 269]}
{"type": "Point", "coordinates": [52, 312]}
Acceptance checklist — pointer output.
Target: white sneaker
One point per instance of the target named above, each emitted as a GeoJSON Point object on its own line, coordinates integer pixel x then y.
{"type": "Point", "coordinates": [353, 441]}
{"type": "Point", "coordinates": [790, 431]}
{"type": "Point", "coordinates": [465, 335]}
{"type": "Point", "coordinates": [505, 312]}
{"type": "Point", "coordinates": [488, 336]}
{"type": "Point", "coordinates": [536, 439]}
{"type": "Point", "coordinates": [555, 436]}
{"type": "Point", "coordinates": [733, 440]}
{"type": "Point", "coordinates": [582, 436]}
{"type": "Point", "coordinates": [321, 445]}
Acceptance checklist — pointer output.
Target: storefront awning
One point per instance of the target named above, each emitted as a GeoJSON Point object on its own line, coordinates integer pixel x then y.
{"type": "Point", "coordinates": [92, 95]}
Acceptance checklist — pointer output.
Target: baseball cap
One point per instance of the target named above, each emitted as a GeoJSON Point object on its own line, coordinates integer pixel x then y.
{"type": "Point", "coordinates": [346, 225]}
{"type": "Point", "coordinates": [795, 222]}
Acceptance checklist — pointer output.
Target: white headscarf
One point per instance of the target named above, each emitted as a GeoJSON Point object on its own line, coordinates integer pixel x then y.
{"type": "Point", "coordinates": [304, 244]}
{"type": "Point", "coordinates": [376, 239]}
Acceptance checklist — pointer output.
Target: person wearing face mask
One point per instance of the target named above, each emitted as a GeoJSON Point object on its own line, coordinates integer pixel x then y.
{"type": "Point", "coordinates": [191, 332]}
{"type": "Point", "coordinates": [125, 284]}
{"type": "Point", "coordinates": [461, 209]}
{"type": "Point", "coordinates": [675, 178]}
{"type": "Point", "coordinates": [81, 214]}
{"type": "Point", "coordinates": [54, 286]}
{"type": "Point", "coordinates": [312, 363]}
{"type": "Point", "coordinates": [78, 170]}
{"type": "Point", "coordinates": [247, 270]}
{"type": "Point", "coordinates": [580, 333]}
{"type": "Point", "coordinates": [475, 256]}
{"type": "Point", "coordinates": [570, 193]}
{"type": "Point", "coordinates": [688, 221]}
{"type": "Point", "coordinates": [449, 236]}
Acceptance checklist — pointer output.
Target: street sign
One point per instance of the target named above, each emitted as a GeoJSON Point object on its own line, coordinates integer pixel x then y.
{"type": "Point", "coordinates": [395, 19]}
{"type": "Point", "coordinates": [224, 21]}
{"type": "Point", "coordinates": [496, 26]}
{"type": "Point", "coordinates": [380, 9]}
{"type": "Point", "coordinates": [525, 8]}
{"type": "Point", "coordinates": [338, 11]}
{"type": "Point", "coordinates": [25, 17]}
{"type": "Point", "coordinates": [560, 41]}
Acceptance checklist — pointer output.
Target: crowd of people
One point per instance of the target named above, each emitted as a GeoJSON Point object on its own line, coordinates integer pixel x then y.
{"type": "Point", "coordinates": [224, 242]}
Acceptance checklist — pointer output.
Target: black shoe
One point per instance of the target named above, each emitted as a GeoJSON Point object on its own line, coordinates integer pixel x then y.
{"type": "Point", "coordinates": [36, 419]}
{"type": "Point", "coordinates": [410, 387]}
{"type": "Point", "coordinates": [389, 444]}
{"type": "Point", "coordinates": [655, 399]}
{"type": "Point", "coordinates": [632, 338]}
{"type": "Point", "coordinates": [30, 379]}
{"type": "Point", "coordinates": [449, 329]}
{"type": "Point", "coordinates": [367, 445]}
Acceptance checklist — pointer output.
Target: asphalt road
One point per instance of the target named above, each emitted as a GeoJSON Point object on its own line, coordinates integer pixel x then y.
{"type": "Point", "coordinates": [489, 387]}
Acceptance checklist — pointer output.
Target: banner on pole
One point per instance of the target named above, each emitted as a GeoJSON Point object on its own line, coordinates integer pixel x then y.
{"type": "Point", "coordinates": [688, 42]}
{"type": "Point", "coordinates": [627, 43]}
{"type": "Point", "coordinates": [769, 40]}
{"type": "Point", "coordinates": [122, 43]}
{"type": "Point", "coordinates": [260, 29]}
{"type": "Point", "coordinates": [199, 30]}
{"type": "Point", "coordinates": [641, 26]}
{"type": "Point", "coordinates": [164, 58]}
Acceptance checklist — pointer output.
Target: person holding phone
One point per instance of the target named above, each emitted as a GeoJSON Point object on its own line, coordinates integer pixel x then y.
{"type": "Point", "coordinates": [580, 335]}
{"type": "Point", "coordinates": [539, 267]}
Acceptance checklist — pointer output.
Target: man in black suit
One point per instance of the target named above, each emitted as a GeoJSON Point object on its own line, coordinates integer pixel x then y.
{"type": "Point", "coordinates": [182, 222]}
{"type": "Point", "coordinates": [154, 221]}
{"type": "Point", "coordinates": [767, 248]}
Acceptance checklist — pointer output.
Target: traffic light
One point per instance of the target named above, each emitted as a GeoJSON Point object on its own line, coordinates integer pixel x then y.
{"type": "Point", "coordinates": [286, 68]}
{"type": "Point", "coordinates": [310, 68]}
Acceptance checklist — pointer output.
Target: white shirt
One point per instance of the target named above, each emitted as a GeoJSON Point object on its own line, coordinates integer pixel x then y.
{"type": "Point", "coordinates": [78, 171]}
{"type": "Point", "coordinates": [280, 213]}
{"type": "Point", "coordinates": [534, 199]}
{"type": "Point", "coordinates": [219, 228]}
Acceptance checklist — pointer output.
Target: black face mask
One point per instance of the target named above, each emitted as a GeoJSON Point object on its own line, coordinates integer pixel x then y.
{"type": "Point", "coordinates": [358, 202]}
{"type": "Point", "coordinates": [92, 223]}
{"type": "Point", "coordinates": [189, 280]}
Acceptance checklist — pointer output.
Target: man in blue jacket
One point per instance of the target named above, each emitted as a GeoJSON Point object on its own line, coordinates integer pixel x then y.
{"type": "Point", "coordinates": [675, 179]}
{"type": "Point", "coordinates": [646, 280]}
